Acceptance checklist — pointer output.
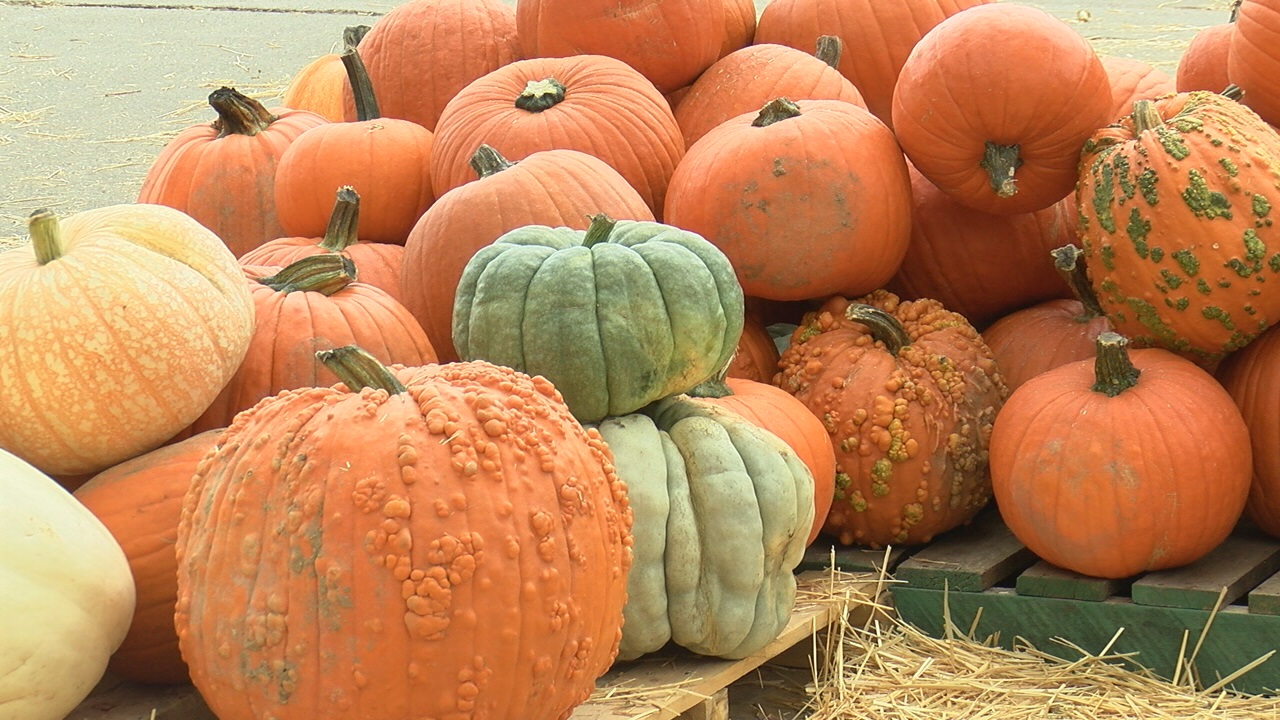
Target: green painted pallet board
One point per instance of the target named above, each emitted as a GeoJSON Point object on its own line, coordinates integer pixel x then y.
{"type": "Point", "coordinates": [1238, 564]}
{"type": "Point", "coordinates": [1265, 599]}
{"type": "Point", "coordinates": [969, 559]}
{"type": "Point", "coordinates": [1045, 580]}
{"type": "Point", "coordinates": [1235, 639]}
{"type": "Point", "coordinates": [820, 554]}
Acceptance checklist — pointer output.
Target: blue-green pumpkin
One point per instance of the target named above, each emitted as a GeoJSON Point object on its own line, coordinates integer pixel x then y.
{"type": "Point", "coordinates": [616, 317]}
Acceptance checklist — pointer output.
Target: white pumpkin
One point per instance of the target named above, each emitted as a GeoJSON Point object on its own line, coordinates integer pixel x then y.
{"type": "Point", "coordinates": [66, 596]}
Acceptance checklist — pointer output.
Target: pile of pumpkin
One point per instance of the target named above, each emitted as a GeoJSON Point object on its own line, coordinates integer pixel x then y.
{"type": "Point", "coordinates": [524, 340]}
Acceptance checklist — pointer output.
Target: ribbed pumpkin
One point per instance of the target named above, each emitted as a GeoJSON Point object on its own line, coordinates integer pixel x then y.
{"type": "Point", "coordinates": [747, 79]}
{"type": "Point", "coordinates": [878, 35]}
{"type": "Point", "coordinates": [1100, 466]}
{"type": "Point", "coordinates": [140, 502]}
{"type": "Point", "coordinates": [1203, 64]}
{"type": "Point", "coordinates": [779, 412]}
{"type": "Point", "coordinates": [1252, 61]}
{"type": "Point", "coordinates": [1176, 224]}
{"type": "Point", "coordinates": [556, 188]}
{"type": "Point", "coordinates": [320, 84]}
{"type": "Point", "coordinates": [617, 316]}
{"type": "Point", "coordinates": [756, 357]}
{"type": "Point", "coordinates": [1133, 80]}
{"type": "Point", "coordinates": [806, 199]}
{"type": "Point", "coordinates": [908, 392]}
{"type": "Point", "coordinates": [378, 264]}
{"type": "Point", "coordinates": [980, 264]}
{"type": "Point", "coordinates": [423, 52]}
{"type": "Point", "coordinates": [223, 173]}
{"type": "Point", "coordinates": [313, 304]}
{"type": "Point", "coordinates": [1252, 378]}
{"type": "Point", "coordinates": [1052, 333]}
{"type": "Point", "coordinates": [721, 513]}
{"type": "Point", "coordinates": [440, 541]}
{"type": "Point", "coordinates": [590, 103]}
{"type": "Point", "coordinates": [384, 159]}
{"type": "Point", "coordinates": [739, 25]}
{"type": "Point", "coordinates": [669, 42]}
{"type": "Point", "coordinates": [105, 314]}
{"type": "Point", "coordinates": [995, 103]}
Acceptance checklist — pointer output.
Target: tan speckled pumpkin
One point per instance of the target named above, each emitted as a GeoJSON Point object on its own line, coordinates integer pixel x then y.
{"type": "Point", "coordinates": [908, 392]}
{"type": "Point", "coordinates": [121, 325]}
{"type": "Point", "coordinates": [443, 542]}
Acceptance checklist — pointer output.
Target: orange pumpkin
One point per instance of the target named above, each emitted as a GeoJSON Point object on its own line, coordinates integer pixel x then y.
{"type": "Point", "coordinates": [1100, 466]}
{"type": "Point", "coordinates": [140, 502]}
{"type": "Point", "coordinates": [739, 25]}
{"type": "Point", "coordinates": [670, 43]}
{"type": "Point", "coordinates": [1252, 378]}
{"type": "Point", "coordinates": [1203, 65]}
{"type": "Point", "coordinates": [995, 103]}
{"type": "Point", "coordinates": [448, 536]}
{"type": "Point", "coordinates": [757, 355]}
{"type": "Point", "coordinates": [1133, 80]}
{"type": "Point", "coordinates": [320, 84]}
{"type": "Point", "coordinates": [378, 264]}
{"type": "Point", "coordinates": [556, 188]}
{"type": "Point", "coordinates": [785, 194]}
{"type": "Point", "coordinates": [223, 173]}
{"type": "Point", "coordinates": [590, 103]}
{"type": "Point", "coordinates": [1253, 64]}
{"type": "Point", "coordinates": [386, 161]}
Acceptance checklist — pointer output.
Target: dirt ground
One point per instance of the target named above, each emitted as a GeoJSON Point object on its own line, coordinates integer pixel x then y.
{"type": "Point", "coordinates": [91, 90]}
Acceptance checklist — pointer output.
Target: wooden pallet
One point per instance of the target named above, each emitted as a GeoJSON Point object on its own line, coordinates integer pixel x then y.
{"type": "Point", "coordinates": [662, 686]}
{"type": "Point", "coordinates": [989, 582]}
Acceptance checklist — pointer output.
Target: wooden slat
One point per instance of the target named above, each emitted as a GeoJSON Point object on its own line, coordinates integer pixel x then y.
{"type": "Point", "coordinates": [715, 707]}
{"type": "Point", "coordinates": [968, 559]}
{"type": "Point", "coordinates": [1240, 563]}
{"type": "Point", "coordinates": [127, 701]}
{"type": "Point", "coordinates": [1265, 599]}
{"type": "Point", "coordinates": [1045, 580]}
{"type": "Point", "coordinates": [821, 554]}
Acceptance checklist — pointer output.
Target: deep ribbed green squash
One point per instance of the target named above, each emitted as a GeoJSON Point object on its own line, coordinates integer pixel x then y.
{"type": "Point", "coordinates": [616, 317]}
{"type": "Point", "coordinates": [722, 514]}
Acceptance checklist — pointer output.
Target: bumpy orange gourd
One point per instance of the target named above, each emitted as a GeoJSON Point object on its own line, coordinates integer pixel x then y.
{"type": "Point", "coordinates": [140, 502]}
{"type": "Point", "coordinates": [908, 392]}
{"type": "Point", "coordinates": [121, 325]}
{"type": "Point", "coordinates": [994, 104]}
{"type": "Point", "coordinates": [223, 173]}
{"type": "Point", "coordinates": [1176, 221]}
{"type": "Point", "coordinates": [1130, 462]}
{"type": "Point", "coordinates": [443, 541]}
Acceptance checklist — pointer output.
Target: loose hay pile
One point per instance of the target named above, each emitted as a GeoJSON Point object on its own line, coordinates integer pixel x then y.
{"type": "Point", "coordinates": [890, 671]}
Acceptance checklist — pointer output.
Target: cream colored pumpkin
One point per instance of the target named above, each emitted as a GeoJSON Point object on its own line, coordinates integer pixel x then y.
{"type": "Point", "coordinates": [722, 514]}
{"type": "Point", "coordinates": [66, 596]}
{"type": "Point", "coordinates": [120, 326]}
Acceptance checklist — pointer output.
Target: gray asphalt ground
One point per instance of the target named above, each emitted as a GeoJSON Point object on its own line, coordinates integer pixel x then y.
{"type": "Point", "coordinates": [91, 91]}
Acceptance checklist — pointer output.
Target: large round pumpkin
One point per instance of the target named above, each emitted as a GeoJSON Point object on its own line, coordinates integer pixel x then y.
{"type": "Point", "coordinates": [121, 325]}
{"type": "Point", "coordinates": [807, 199]}
{"type": "Point", "coordinates": [908, 392]}
{"type": "Point", "coordinates": [140, 502]}
{"type": "Point", "coordinates": [556, 188]}
{"type": "Point", "coordinates": [617, 316]}
{"type": "Point", "coordinates": [1177, 226]}
{"type": "Point", "coordinates": [591, 103]}
{"type": "Point", "coordinates": [722, 509]}
{"type": "Point", "coordinates": [994, 104]}
{"type": "Point", "coordinates": [440, 541]}
{"type": "Point", "coordinates": [1203, 64]}
{"type": "Point", "coordinates": [1252, 61]}
{"type": "Point", "coordinates": [318, 86]}
{"type": "Point", "coordinates": [1133, 80]}
{"type": "Point", "coordinates": [67, 595]}
{"type": "Point", "coordinates": [1252, 377]}
{"type": "Point", "coordinates": [223, 173]}
{"type": "Point", "coordinates": [1130, 462]}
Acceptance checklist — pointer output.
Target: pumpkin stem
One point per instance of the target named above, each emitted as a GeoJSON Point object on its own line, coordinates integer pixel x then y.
{"type": "Point", "coordinates": [352, 35]}
{"type": "Point", "coordinates": [776, 111]}
{"type": "Point", "coordinates": [487, 161]}
{"type": "Point", "coordinates": [1000, 162]}
{"type": "Point", "coordinates": [1233, 92]}
{"type": "Point", "coordinates": [343, 221]}
{"type": "Point", "coordinates": [1113, 372]}
{"type": "Point", "coordinates": [357, 369]}
{"type": "Point", "coordinates": [1145, 117]}
{"type": "Point", "coordinates": [1068, 262]}
{"type": "Point", "coordinates": [46, 236]}
{"type": "Point", "coordinates": [884, 326]}
{"type": "Point", "coordinates": [714, 386]}
{"type": "Point", "coordinates": [829, 50]}
{"type": "Point", "coordinates": [238, 114]}
{"type": "Point", "coordinates": [599, 230]}
{"type": "Point", "coordinates": [1235, 10]}
{"type": "Point", "coordinates": [361, 86]}
{"type": "Point", "coordinates": [540, 95]}
{"type": "Point", "coordinates": [326, 274]}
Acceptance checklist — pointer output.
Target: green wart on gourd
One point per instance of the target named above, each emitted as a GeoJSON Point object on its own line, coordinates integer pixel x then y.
{"type": "Point", "coordinates": [1138, 229]}
{"type": "Point", "coordinates": [1202, 201]}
